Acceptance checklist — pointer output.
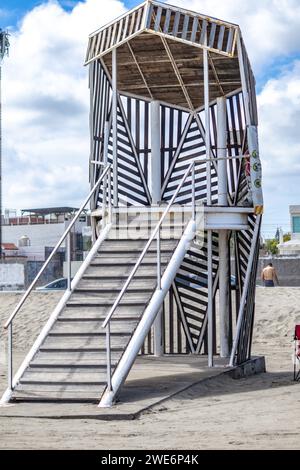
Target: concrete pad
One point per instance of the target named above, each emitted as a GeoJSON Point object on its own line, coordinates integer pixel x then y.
{"type": "Point", "coordinates": [151, 381]}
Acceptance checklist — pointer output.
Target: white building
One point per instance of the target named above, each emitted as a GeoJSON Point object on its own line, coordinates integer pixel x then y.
{"type": "Point", "coordinates": [40, 229]}
{"type": "Point", "coordinates": [292, 247]}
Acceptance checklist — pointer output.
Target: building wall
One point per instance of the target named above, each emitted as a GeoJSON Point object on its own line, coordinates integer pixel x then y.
{"type": "Point", "coordinates": [40, 235]}
{"type": "Point", "coordinates": [12, 276]}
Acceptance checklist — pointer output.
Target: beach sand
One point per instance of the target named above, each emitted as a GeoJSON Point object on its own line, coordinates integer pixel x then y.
{"type": "Point", "coordinates": [259, 412]}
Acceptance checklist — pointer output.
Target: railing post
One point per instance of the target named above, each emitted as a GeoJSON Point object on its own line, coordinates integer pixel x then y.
{"type": "Point", "coordinates": [115, 125]}
{"type": "Point", "coordinates": [158, 337]}
{"type": "Point", "coordinates": [68, 242]}
{"type": "Point", "coordinates": [109, 197]}
{"type": "Point", "coordinates": [193, 194]}
{"type": "Point", "coordinates": [158, 257]}
{"type": "Point", "coordinates": [10, 356]}
{"type": "Point", "coordinates": [108, 356]}
{"type": "Point", "coordinates": [105, 180]}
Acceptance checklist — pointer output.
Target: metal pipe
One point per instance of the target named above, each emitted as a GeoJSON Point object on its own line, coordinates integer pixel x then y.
{"type": "Point", "coordinates": [158, 349]}
{"type": "Point", "coordinates": [223, 234]}
{"type": "Point", "coordinates": [62, 238]}
{"type": "Point", "coordinates": [69, 261]}
{"type": "Point", "coordinates": [155, 152]}
{"type": "Point", "coordinates": [224, 294]}
{"type": "Point", "coordinates": [105, 151]}
{"type": "Point", "coordinates": [210, 331]}
{"type": "Point", "coordinates": [115, 126]}
{"type": "Point", "coordinates": [158, 259]}
{"type": "Point", "coordinates": [116, 303]}
{"type": "Point", "coordinates": [10, 357]}
{"type": "Point", "coordinates": [157, 330]}
{"type": "Point", "coordinates": [193, 194]}
{"type": "Point", "coordinates": [108, 356]}
{"type": "Point", "coordinates": [208, 183]}
{"type": "Point", "coordinates": [207, 121]}
{"type": "Point", "coordinates": [243, 80]}
{"type": "Point", "coordinates": [109, 198]}
{"type": "Point", "coordinates": [222, 151]}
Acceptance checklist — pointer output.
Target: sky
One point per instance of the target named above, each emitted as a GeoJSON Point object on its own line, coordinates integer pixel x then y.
{"type": "Point", "coordinates": [45, 98]}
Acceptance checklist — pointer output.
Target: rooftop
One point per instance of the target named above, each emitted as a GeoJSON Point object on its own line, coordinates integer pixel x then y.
{"type": "Point", "coordinates": [50, 210]}
{"type": "Point", "coordinates": [160, 54]}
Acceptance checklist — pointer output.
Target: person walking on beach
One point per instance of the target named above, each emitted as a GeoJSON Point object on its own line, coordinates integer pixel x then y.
{"type": "Point", "coordinates": [269, 276]}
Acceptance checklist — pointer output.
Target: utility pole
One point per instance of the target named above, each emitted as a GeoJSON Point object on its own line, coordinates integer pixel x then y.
{"type": "Point", "coordinates": [4, 48]}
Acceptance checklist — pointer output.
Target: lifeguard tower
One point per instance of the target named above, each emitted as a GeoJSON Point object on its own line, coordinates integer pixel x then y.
{"type": "Point", "coordinates": [176, 204]}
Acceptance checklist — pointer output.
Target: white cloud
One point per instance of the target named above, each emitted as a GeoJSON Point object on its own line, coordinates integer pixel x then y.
{"type": "Point", "coordinates": [279, 118]}
{"type": "Point", "coordinates": [270, 27]}
{"type": "Point", "coordinates": [46, 99]}
{"type": "Point", "coordinates": [46, 104]}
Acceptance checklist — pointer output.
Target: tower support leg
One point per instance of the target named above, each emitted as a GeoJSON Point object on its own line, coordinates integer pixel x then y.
{"type": "Point", "coordinates": [155, 153]}
{"type": "Point", "coordinates": [223, 234]}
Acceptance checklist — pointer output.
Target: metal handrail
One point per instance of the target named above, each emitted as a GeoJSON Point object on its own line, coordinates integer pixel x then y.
{"type": "Point", "coordinates": [154, 233]}
{"type": "Point", "coordinates": [65, 234]}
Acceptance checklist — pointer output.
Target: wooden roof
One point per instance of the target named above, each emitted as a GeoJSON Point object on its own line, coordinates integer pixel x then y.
{"type": "Point", "coordinates": [159, 54]}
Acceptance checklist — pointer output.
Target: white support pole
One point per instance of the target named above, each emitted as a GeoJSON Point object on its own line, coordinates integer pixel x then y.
{"type": "Point", "coordinates": [210, 330]}
{"type": "Point", "coordinates": [105, 152]}
{"type": "Point", "coordinates": [222, 151]}
{"type": "Point", "coordinates": [207, 125]}
{"type": "Point", "coordinates": [243, 80]}
{"type": "Point", "coordinates": [224, 294]}
{"type": "Point", "coordinates": [69, 263]}
{"type": "Point", "coordinates": [114, 125]}
{"type": "Point", "coordinates": [158, 335]}
{"type": "Point", "coordinates": [157, 330]}
{"type": "Point", "coordinates": [155, 152]}
{"type": "Point", "coordinates": [209, 232]}
{"type": "Point", "coordinates": [223, 234]}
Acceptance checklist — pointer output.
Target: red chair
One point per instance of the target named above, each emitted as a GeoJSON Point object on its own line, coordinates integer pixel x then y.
{"type": "Point", "coordinates": [297, 353]}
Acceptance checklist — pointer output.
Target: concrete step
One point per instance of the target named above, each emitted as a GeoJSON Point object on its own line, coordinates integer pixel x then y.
{"type": "Point", "coordinates": [115, 270]}
{"type": "Point", "coordinates": [67, 358]}
{"type": "Point", "coordinates": [131, 246]}
{"type": "Point", "coordinates": [141, 226]}
{"type": "Point", "coordinates": [96, 310]}
{"type": "Point", "coordinates": [62, 348]}
{"type": "Point", "coordinates": [111, 286]}
{"type": "Point", "coordinates": [132, 234]}
{"type": "Point", "coordinates": [96, 318]}
{"type": "Point", "coordinates": [85, 342]}
{"type": "Point", "coordinates": [95, 283]}
{"type": "Point", "coordinates": [148, 260]}
{"type": "Point", "coordinates": [110, 296]}
{"type": "Point", "coordinates": [95, 387]}
{"type": "Point", "coordinates": [85, 327]}
{"type": "Point", "coordinates": [60, 376]}
{"type": "Point", "coordinates": [112, 277]}
{"type": "Point", "coordinates": [65, 394]}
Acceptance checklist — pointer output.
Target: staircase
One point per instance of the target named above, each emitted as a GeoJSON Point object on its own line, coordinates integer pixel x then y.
{"type": "Point", "coordinates": [70, 365]}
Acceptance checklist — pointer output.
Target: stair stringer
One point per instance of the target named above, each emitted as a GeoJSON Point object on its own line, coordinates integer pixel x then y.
{"type": "Point", "coordinates": [132, 349]}
{"type": "Point", "coordinates": [53, 317]}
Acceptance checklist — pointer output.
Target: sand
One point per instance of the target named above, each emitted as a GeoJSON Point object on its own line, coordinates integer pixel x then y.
{"type": "Point", "coordinates": [259, 412]}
